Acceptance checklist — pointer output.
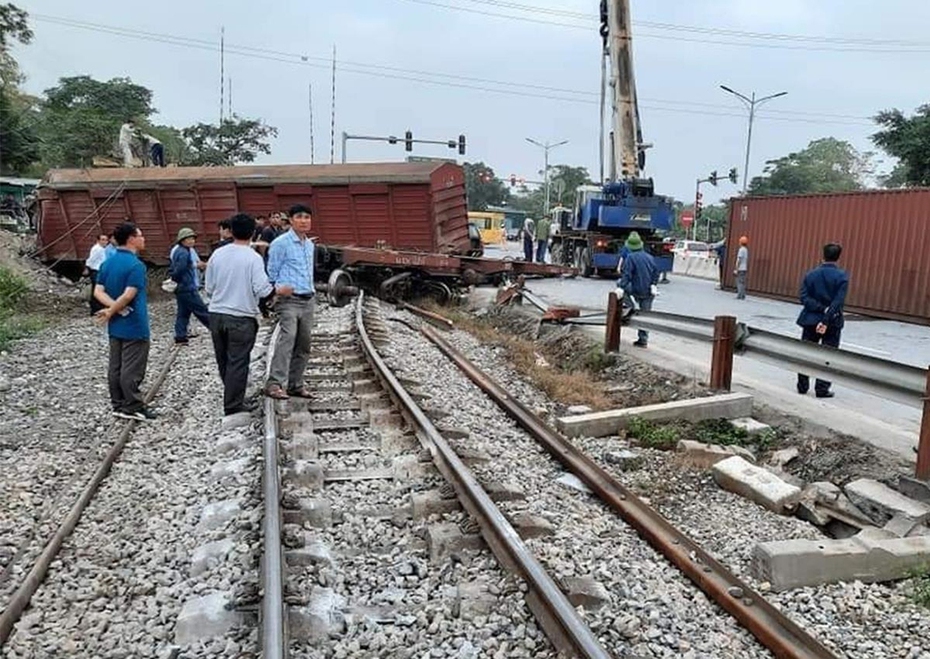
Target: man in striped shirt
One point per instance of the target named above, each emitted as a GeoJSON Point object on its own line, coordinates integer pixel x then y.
{"type": "Point", "coordinates": [290, 269]}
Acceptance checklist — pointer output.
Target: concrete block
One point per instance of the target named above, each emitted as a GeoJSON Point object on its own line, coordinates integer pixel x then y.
{"type": "Point", "coordinates": [610, 422]}
{"type": "Point", "coordinates": [586, 592]}
{"type": "Point", "coordinates": [579, 409]}
{"type": "Point", "coordinates": [870, 556]}
{"type": "Point", "coordinates": [209, 555]}
{"type": "Point", "coordinates": [446, 539]}
{"type": "Point", "coordinates": [303, 445]}
{"type": "Point", "coordinates": [311, 512]}
{"type": "Point", "coordinates": [385, 418]}
{"type": "Point", "coordinates": [914, 488]}
{"type": "Point", "coordinates": [306, 474]}
{"type": "Point", "coordinates": [759, 485]}
{"type": "Point", "coordinates": [231, 469]}
{"type": "Point", "coordinates": [320, 619]}
{"type": "Point", "coordinates": [205, 618]}
{"type": "Point", "coordinates": [215, 515]}
{"type": "Point", "coordinates": [750, 425]}
{"type": "Point", "coordinates": [881, 503]}
{"type": "Point", "coordinates": [781, 457]}
{"type": "Point", "coordinates": [366, 386]}
{"type": "Point", "coordinates": [499, 491]}
{"type": "Point", "coordinates": [902, 526]}
{"type": "Point", "coordinates": [296, 422]}
{"type": "Point", "coordinates": [314, 552]}
{"type": "Point", "coordinates": [430, 502]}
{"type": "Point", "coordinates": [701, 455]}
{"type": "Point", "coordinates": [406, 467]}
{"type": "Point", "coordinates": [532, 526]}
{"type": "Point", "coordinates": [237, 420]}
{"type": "Point", "coordinates": [624, 459]}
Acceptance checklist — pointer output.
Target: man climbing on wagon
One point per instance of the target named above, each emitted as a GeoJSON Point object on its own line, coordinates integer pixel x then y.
{"type": "Point", "coordinates": [639, 280]}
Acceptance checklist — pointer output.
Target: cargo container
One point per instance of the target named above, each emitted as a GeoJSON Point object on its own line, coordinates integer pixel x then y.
{"type": "Point", "coordinates": [417, 207]}
{"type": "Point", "coordinates": [885, 236]}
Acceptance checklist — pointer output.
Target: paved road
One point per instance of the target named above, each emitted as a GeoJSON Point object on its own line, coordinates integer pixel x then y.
{"type": "Point", "coordinates": [878, 421]}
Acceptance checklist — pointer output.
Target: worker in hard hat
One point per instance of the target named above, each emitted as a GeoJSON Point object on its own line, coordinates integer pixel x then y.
{"type": "Point", "coordinates": [742, 267]}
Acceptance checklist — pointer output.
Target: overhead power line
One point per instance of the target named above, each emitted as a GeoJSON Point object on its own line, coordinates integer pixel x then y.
{"type": "Point", "coordinates": [505, 87]}
{"type": "Point", "coordinates": [776, 41]}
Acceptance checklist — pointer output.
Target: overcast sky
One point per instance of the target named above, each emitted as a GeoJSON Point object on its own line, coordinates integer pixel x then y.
{"type": "Point", "coordinates": [836, 79]}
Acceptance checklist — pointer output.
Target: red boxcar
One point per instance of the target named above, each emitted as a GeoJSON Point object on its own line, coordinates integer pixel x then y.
{"type": "Point", "coordinates": [408, 206]}
{"type": "Point", "coordinates": [885, 236]}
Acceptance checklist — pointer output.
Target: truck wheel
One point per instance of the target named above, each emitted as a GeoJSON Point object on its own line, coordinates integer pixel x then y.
{"type": "Point", "coordinates": [555, 254]}
{"type": "Point", "coordinates": [585, 266]}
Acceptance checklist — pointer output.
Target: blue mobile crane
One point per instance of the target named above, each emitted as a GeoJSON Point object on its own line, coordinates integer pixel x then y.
{"type": "Point", "coordinates": [591, 235]}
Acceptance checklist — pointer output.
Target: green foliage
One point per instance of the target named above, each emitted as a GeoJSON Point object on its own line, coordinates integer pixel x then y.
{"type": "Point", "coordinates": [908, 140]}
{"type": "Point", "coordinates": [483, 188]}
{"type": "Point", "coordinates": [18, 135]}
{"type": "Point", "coordinates": [653, 435]}
{"type": "Point", "coordinates": [826, 165]}
{"type": "Point", "coordinates": [563, 181]}
{"type": "Point", "coordinates": [13, 324]}
{"type": "Point", "coordinates": [236, 140]}
{"type": "Point", "coordinates": [920, 586]}
{"type": "Point", "coordinates": [720, 431]}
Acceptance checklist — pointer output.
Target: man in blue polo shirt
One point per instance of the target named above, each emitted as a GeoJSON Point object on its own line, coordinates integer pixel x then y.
{"type": "Point", "coordinates": [121, 290]}
{"type": "Point", "coordinates": [290, 269]}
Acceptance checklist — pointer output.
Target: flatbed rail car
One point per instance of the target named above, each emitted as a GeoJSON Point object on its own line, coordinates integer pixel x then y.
{"type": "Point", "coordinates": [374, 221]}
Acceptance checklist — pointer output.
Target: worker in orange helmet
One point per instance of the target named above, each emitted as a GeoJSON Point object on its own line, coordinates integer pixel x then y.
{"type": "Point", "coordinates": [742, 267]}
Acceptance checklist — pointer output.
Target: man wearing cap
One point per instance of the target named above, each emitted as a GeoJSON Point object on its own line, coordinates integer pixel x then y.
{"type": "Point", "coordinates": [290, 269]}
{"type": "Point", "coordinates": [639, 278]}
{"type": "Point", "coordinates": [742, 267]}
{"type": "Point", "coordinates": [183, 270]}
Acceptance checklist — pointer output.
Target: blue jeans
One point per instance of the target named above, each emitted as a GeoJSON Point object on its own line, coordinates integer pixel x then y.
{"type": "Point", "coordinates": [189, 302]}
{"type": "Point", "coordinates": [527, 249]}
{"type": "Point", "coordinates": [541, 246]}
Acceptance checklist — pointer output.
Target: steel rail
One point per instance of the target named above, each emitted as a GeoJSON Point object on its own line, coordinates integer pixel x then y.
{"type": "Point", "coordinates": [23, 594]}
{"type": "Point", "coordinates": [274, 628]}
{"type": "Point", "coordinates": [783, 637]}
{"type": "Point", "coordinates": [435, 318]}
{"type": "Point", "coordinates": [556, 615]}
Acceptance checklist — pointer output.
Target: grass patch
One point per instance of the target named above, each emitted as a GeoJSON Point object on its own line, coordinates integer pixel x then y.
{"type": "Point", "coordinates": [720, 431]}
{"type": "Point", "coordinates": [920, 586]}
{"type": "Point", "coordinates": [650, 434]}
{"type": "Point", "coordinates": [14, 324]}
{"type": "Point", "coordinates": [568, 383]}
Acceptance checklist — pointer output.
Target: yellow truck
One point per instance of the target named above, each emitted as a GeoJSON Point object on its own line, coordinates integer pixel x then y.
{"type": "Point", "coordinates": [490, 225]}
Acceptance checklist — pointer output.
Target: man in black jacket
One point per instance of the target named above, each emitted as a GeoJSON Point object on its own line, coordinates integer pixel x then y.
{"type": "Point", "coordinates": [183, 271]}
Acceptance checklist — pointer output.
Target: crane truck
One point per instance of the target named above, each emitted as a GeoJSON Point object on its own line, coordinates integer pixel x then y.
{"type": "Point", "coordinates": [590, 236]}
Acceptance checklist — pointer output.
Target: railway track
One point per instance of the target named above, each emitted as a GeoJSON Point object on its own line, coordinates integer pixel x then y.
{"type": "Point", "coordinates": [401, 463]}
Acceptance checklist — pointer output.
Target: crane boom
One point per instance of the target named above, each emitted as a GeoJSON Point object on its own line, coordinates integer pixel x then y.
{"type": "Point", "coordinates": [626, 142]}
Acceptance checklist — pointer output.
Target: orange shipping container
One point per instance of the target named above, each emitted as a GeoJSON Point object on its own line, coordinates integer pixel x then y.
{"type": "Point", "coordinates": [885, 236]}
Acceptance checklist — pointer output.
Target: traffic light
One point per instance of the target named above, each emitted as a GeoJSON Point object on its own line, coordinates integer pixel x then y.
{"type": "Point", "coordinates": [392, 139]}
{"type": "Point", "coordinates": [713, 178]}
{"type": "Point", "coordinates": [408, 141]}
{"type": "Point", "coordinates": [461, 145]}
{"type": "Point", "coordinates": [513, 180]}
{"type": "Point", "coordinates": [698, 207]}
{"type": "Point", "coordinates": [733, 176]}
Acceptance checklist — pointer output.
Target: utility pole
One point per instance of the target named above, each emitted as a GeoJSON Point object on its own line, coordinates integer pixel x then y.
{"type": "Point", "coordinates": [222, 69]}
{"type": "Point", "coordinates": [310, 88]}
{"type": "Point", "coordinates": [545, 147]}
{"type": "Point", "coordinates": [751, 103]}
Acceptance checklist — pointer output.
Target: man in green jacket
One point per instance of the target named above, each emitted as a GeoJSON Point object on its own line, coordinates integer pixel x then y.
{"type": "Point", "coordinates": [542, 239]}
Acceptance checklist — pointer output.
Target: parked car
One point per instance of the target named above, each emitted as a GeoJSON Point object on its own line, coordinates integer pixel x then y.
{"type": "Point", "coordinates": [692, 248]}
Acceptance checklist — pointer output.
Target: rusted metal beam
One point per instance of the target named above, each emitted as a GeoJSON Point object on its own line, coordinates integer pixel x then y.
{"type": "Point", "coordinates": [721, 361]}
{"type": "Point", "coordinates": [612, 333]}
{"type": "Point", "coordinates": [435, 318]}
{"type": "Point", "coordinates": [777, 632]}
{"type": "Point", "coordinates": [923, 447]}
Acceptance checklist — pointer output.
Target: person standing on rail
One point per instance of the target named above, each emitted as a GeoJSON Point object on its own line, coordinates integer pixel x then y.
{"type": "Point", "coordinates": [529, 234]}
{"type": "Point", "coordinates": [120, 289]}
{"type": "Point", "coordinates": [639, 279]}
{"type": "Point", "coordinates": [290, 269]}
{"type": "Point", "coordinates": [98, 253]}
{"type": "Point", "coordinates": [823, 294]}
{"type": "Point", "coordinates": [236, 282]}
{"type": "Point", "coordinates": [542, 238]}
{"type": "Point", "coordinates": [183, 270]}
{"type": "Point", "coordinates": [742, 267]}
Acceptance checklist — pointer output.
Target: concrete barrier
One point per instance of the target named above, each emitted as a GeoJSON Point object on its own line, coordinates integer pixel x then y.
{"type": "Point", "coordinates": [696, 266]}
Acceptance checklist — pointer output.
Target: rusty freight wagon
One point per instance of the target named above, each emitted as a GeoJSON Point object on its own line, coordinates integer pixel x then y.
{"type": "Point", "coordinates": [885, 236]}
{"type": "Point", "coordinates": [410, 206]}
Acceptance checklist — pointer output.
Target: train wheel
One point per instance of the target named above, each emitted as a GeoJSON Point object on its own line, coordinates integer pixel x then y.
{"type": "Point", "coordinates": [440, 292]}
{"type": "Point", "coordinates": [340, 285]}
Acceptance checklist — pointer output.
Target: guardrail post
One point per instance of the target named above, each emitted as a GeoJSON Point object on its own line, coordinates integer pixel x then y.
{"type": "Point", "coordinates": [923, 447]}
{"type": "Point", "coordinates": [721, 361]}
{"type": "Point", "coordinates": [612, 333]}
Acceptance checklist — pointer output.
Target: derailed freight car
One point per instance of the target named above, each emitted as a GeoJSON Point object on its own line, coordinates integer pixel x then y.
{"type": "Point", "coordinates": [885, 236]}
{"type": "Point", "coordinates": [408, 206]}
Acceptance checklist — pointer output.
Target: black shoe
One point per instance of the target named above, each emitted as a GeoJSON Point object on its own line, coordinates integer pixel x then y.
{"type": "Point", "coordinates": [142, 414]}
{"type": "Point", "coordinates": [181, 342]}
{"type": "Point", "coordinates": [249, 407]}
{"type": "Point", "coordinates": [803, 390]}
{"type": "Point", "coordinates": [825, 394]}
{"type": "Point", "coordinates": [640, 344]}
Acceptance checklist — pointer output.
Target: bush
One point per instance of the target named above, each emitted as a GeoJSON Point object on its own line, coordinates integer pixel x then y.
{"type": "Point", "coordinates": [653, 435]}
{"type": "Point", "coordinates": [720, 431]}
{"type": "Point", "coordinates": [13, 289]}
{"type": "Point", "coordinates": [13, 323]}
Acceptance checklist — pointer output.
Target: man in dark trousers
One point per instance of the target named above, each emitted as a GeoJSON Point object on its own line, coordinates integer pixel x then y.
{"type": "Point", "coordinates": [639, 278]}
{"type": "Point", "coordinates": [235, 282]}
{"type": "Point", "coordinates": [823, 294]}
{"type": "Point", "coordinates": [121, 290]}
{"type": "Point", "coordinates": [184, 271]}
{"type": "Point", "coordinates": [290, 269]}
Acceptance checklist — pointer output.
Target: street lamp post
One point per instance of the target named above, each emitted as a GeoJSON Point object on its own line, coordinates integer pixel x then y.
{"type": "Point", "coordinates": [751, 103]}
{"type": "Point", "coordinates": [545, 147]}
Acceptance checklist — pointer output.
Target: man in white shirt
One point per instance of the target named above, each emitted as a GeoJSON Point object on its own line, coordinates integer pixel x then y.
{"type": "Point", "coordinates": [235, 282]}
{"type": "Point", "coordinates": [126, 133]}
{"type": "Point", "coordinates": [98, 253]}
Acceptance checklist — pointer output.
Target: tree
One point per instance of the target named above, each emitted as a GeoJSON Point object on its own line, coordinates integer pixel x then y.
{"type": "Point", "coordinates": [483, 188]}
{"type": "Point", "coordinates": [18, 138]}
{"type": "Point", "coordinates": [563, 181]}
{"type": "Point", "coordinates": [826, 165]}
{"type": "Point", "coordinates": [908, 140]}
{"type": "Point", "coordinates": [81, 118]}
{"type": "Point", "coordinates": [14, 26]}
{"type": "Point", "coordinates": [235, 140]}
